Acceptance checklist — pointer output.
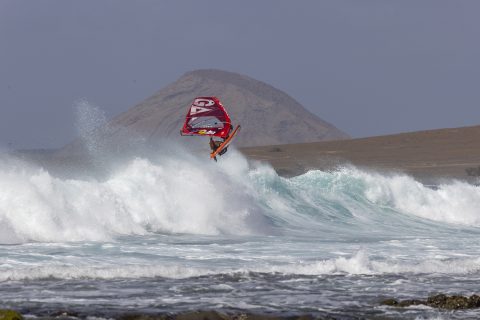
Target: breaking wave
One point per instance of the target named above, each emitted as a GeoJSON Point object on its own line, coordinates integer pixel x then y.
{"type": "Point", "coordinates": [180, 193]}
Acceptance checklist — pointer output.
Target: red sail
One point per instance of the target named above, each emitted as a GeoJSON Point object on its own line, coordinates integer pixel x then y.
{"type": "Point", "coordinates": [207, 117]}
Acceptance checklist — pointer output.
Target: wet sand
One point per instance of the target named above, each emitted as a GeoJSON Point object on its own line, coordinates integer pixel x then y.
{"type": "Point", "coordinates": [429, 156]}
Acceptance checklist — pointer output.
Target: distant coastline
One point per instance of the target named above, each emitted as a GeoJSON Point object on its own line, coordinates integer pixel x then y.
{"type": "Point", "coordinates": [429, 156]}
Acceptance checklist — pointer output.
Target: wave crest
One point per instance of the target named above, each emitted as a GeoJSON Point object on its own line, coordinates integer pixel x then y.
{"type": "Point", "coordinates": [180, 193]}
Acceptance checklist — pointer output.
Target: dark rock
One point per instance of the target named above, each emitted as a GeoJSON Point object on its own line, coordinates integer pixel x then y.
{"type": "Point", "coordinates": [454, 302]}
{"type": "Point", "coordinates": [412, 302]}
{"type": "Point", "coordinates": [440, 301]}
{"type": "Point", "coordinates": [437, 301]}
{"type": "Point", "coordinates": [6, 314]}
{"type": "Point", "coordinates": [214, 315]}
{"type": "Point", "coordinates": [64, 313]}
{"type": "Point", "coordinates": [202, 315]}
{"type": "Point", "coordinates": [475, 301]}
{"type": "Point", "coordinates": [146, 317]}
{"type": "Point", "coordinates": [389, 302]}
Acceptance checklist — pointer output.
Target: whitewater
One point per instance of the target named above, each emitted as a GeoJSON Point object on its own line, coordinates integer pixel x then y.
{"type": "Point", "coordinates": [176, 232]}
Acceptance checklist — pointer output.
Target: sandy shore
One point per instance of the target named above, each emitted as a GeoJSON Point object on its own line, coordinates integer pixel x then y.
{"type": "Point", "coordinates": [427, 155]}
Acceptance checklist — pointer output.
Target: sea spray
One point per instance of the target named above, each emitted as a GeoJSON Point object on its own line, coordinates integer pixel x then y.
{"type": "Point", "coordinates": [106, 146]}
{"type": "Point", "coordinates": [89, 122]}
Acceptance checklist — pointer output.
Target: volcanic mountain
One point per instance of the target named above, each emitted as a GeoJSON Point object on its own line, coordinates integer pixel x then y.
{"type": "Point", "coordinates": [267, 115]}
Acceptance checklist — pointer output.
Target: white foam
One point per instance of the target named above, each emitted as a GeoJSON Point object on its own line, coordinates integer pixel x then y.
{"type": "Point", "coordinates": [361, 264]}
{"type": "Point", "coordinates": [95, 272]}
{"type": "Point", "coordinates": [173, 196]}
{"type": "Point", "coordinates": [182, 193]}
{"type": "Point", "coordinates": [358, 263]}
{"type": "Point", "coordinates": [457, 202]}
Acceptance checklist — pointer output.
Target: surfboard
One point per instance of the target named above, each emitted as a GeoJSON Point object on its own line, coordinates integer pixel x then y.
{"type": "Point", "coordinates": [225, 143]}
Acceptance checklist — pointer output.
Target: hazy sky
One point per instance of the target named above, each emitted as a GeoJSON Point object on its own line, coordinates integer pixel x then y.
{"type": "Point", "coordinates": [368, 67]}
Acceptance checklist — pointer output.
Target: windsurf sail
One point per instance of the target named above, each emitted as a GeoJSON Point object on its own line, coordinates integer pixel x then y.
{"type": "Point", "coordinates": [207, 117]}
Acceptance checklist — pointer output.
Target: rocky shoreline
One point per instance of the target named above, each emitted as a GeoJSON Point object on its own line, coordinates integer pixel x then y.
{"type": "Point", "coordinates": [439, 301]}
{"type": "Point", "coordinates": [190, 315]}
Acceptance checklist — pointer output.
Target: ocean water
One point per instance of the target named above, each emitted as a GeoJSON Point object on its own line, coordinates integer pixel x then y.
{"type": "Point", "coordinates": [178, 232]}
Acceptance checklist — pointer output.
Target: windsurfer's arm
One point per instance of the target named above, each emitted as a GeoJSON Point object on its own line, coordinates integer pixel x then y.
{"type": "Point", "coordinates": [212, 144]}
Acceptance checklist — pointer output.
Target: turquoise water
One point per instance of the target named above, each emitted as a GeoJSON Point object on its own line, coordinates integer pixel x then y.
{"type": "Point", "coordinates": [176, 232]}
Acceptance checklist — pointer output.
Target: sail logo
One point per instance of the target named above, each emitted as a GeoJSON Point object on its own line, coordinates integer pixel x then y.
{"type": "Point", "coordinates": [203, 102]}
{"type": "Point", "coordinates": [195, 110]}
{"type": "Point", "coordinates": [201, 105]}
{"type": "Point", "coordinates": [204, 131]}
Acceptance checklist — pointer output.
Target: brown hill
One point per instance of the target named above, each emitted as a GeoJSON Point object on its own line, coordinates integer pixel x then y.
{"type": "Point", "coordinates": [427, 155]}
{"type": "Point", "coordinates": [267, 115]}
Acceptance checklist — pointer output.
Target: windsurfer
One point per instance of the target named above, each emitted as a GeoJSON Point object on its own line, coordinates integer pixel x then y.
{"type": "Point", "coordinates": [214, 145]}
{"type": "Point", "coordinates": [208, 117]}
